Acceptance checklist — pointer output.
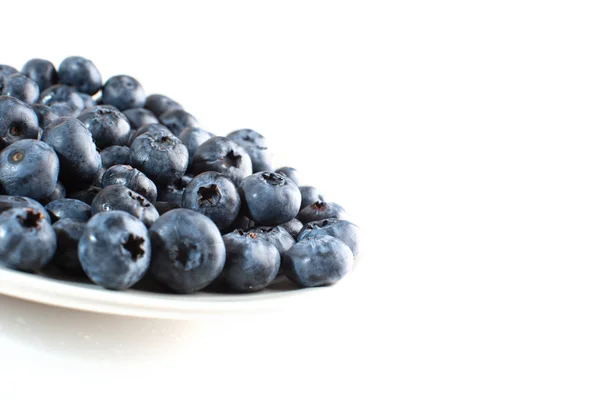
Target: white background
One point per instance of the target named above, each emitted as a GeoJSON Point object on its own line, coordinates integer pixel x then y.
{"type": "Point", "coordinates": [464, 138]}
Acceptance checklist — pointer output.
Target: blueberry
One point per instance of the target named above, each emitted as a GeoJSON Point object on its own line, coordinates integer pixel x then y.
{"type": "Point", "coordinates": [177, 120]}
{"type": "Point", "coordinates": [68, 232]}
{"type": "Point", "coordinates": [164, 206]}
{"type": "Point", "coordinates": [86, 195]}
{"type": "Point", "coordinates": [27, 241]}
{"type": "Point", "coordinates": [117, 197]}
{"type": "Point", "coordinates": [291, 173]}
{"type": "Point", "coordinates": [59, 94]}
{"type": "Point", "coordinates": [65, 110]}
{"type": "Point", "coordinates": [44, 114]}
{"type": "Point", "coordinates": [80, 73]}
{"type": "Point", "coordinates": [6, 70]}
{"type": "Point", "coordinates": [147, 129]}
{"type": "Point", "coordinates": [173, 193]}
{"type": "Point", "coordinates": [69, 209]}
{"type": "Point", "coordinates": [192, 138]}
{"type": "Point", "coordinates": [277, 236]}
{"type": "Point", "coordinates": [21, 87]}
{"type": "Point", "coordinates": [188, 250]}
{"type": "Point", "coordinates": [159, 104]}
{"type": "Point", "coordinates": [159, 155]}
{"type": "Point", "coordinates": [139, 117]}
{"type": "Point", "coordinates": [251, 263]}
{"type": "Point", "coordinates": [256, 147]}
{"type": "Point", "coordinates": [215, 196]}
{"type": "Point", "coordinates": [293, 227]}
{"type": "Point", "coordinates": [310, 195]}
{"type": "Point", "coordinates": [107, 125]}
{"type": "Point", "coordinates": [115, 155]}
{"type": "Point", "coordinates": [73, 143]}
{"type": "Point", "coordinates": [317, 261]}
{"type": "Point", "coordinates": [123, 92]}
{"type": "Point", "coordinates": [114, 250]}
{"type": "Point", "coordinates": [270, 198]}
{"type": "Point", "coordinates": [98, 179]}
{"type": "Point", "coordinates": [17, 121]}
{"type": "Point", "coordinates": [242, 222]}
{"type": "Point", "coordinates": [131, 178]}
{"type": "Point", "coordinates": [222, 155]}
{"type": "Point", "coordinates": [321, 210]}
{"type": "Point", "coordinates": [346, 231]}
{"type": "Point", "coordinates": [88, 101]}
{"type": "Point", "coordinates": [41, 72]}
{"type": "Point", "coordinates": [58, 193]}
{"type": "Point", "coordinates": [28, 168]}
{"type": "Point", "coordinates": [10, 202]}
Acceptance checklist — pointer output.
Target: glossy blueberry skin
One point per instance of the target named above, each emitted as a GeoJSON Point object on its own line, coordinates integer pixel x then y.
{"type": "Point", "coordinates": [41, 72]}
{"type": "Point", "coordinates": [270, 198]}
{"type": "Point", "coordinates": [58, 94]}
{"type": "Point", "coordinates": [188, 250]}
{"type": "Point", "coordinates": [65, 110]}
{"type": "Point", "coordinates": [114, 250]}
{"type": "Point", "coordinates": [68, 232]}
{"type": "Point", "coordinates": [173, 193]}
{"type": "Point", "coordinates": [310, 195]}
{"type": "Point", "coordinates": [256, 147]}
{"type": "Point", "coordinates": [291, 173]}
{"type": "Point", "coordinates": [277, 236]}
{"type": "Point", "coordinates": [139, 117]}
{"type": "Point", "coordinates": [222, 155]}
{"type": "Point", "coordinates": [131, 178]}
{"type": "Point", "coordinates": [251, 263]}
{"type": "Point", "coordinates": [6, 70]}
{"type": "Point", "coordinates": [293, 227]}
{"type": "Point", "coordinates": [317, 261]}
{"type": "Point", "coordinates": [27, 240]}
{"type": "Point", "coordinates": [192, 138]}
{"type": "Point", "coordinates": [80, 73]}
{"type": "Point", "coordinates": [242, 222]}
{"type": "Point", "coordinates": [160, 104]}
{"type": "Point", "coordinates": [159, 155]}
{"type": "Point", "coordinates": [123, 92]}
{"type": "Point", "coordinates": [115, 155]}
{"type": "Point", "coordinates": [108, 126]}
{"type": "Point", "coordinates": [69, 209]}
{"type": "Point", "coordinates": [346, 231]}
{"type": "Point", "coordinates": [58, 193]}
{"type": "Point", "coordinates": [10, 202]}
{"type": "Point", "coordinates": [45, 114]}
{"type": "Point", "coordinates": [321, 210]}
{"type": "Point", "coordinates": [215, 196]}
{"type": "Point", "coordinates": [164, 206]}
{"type": "Point", "coordinates": [147, 129]}
{"type": "Point", "coordinates": [86, 195]}
{"type": "Point", "coordinates": [88, 101]}
{"type": "Point", "coordinates": [18, 121]}
{"type": "Point", "coordinates": [76, 150]}
{"type": "Point", "coordinates": [28, 168]}
{"type": "Point", "coordinates": [21, 87]}
{"type": "Point", "coordinates": [117, 197]}
{"type": "Point", "coordinates": [177, 120]}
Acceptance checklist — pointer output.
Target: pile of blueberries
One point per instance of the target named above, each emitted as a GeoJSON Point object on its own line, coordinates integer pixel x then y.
{"type": "Point", "coordinates": [99, 180]}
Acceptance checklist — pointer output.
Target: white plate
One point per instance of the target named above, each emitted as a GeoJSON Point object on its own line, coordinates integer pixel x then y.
{"type": "Point", "coordinates": [58, 291]}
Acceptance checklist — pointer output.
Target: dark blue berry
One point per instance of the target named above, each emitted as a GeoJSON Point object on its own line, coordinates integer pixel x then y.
{"type": "Point", "coordinates": [58, 193]}
{"type": "Point", "coordinates": [251, 263]}
{"type": "Point", "coordinates": [45, 114]}
{"type": "Point", "coordinates": [68, 232]}
{"type": "Point", "coordinates": [86, 195]}
{"type": "Point", "coordinates": [215, 196]}
{"type": "Point", "coordinates": [10, 202]}
{"type": "Point", "coordinates": [277, 236]}
{"type": "Point", "coordinates": [160, 104]}
{"type": "Point", "coordinates": [293, 227]}
{"type": "Point", "coordinates": [80, 73]}
{"type": "Point", "coordinates": [64, 110]}
{"type": "Point", "coordinates": [270, 198]}
{"type": "Point", "coordinates": [188, 251]}
{"type": "Point", "coordinates": [28, 168]}
{"type": "Point", "coordinates": [73, 143]}
{"type": "Point", "coordinates": [177, 120]}
{"type": "Point", "coordinates": [310, 195]}
{"type": "Point", "coordinates": [88, 101]}
{"type": "Point", "coordinates": [147, 129]}
{"type": "Point", "coordinates": [114, 250]}
{"type": "Point", "coordinates": [17, 121]}
{"type": "Point", "coordinates": [164, 206]}
{"type": "Point", "coordinates": [21, 87]}
{"type": "Point", "coordinates": [321, 210]}
{"type": "Point", "coordinates": [115, 155]}
{"type": "Point", "coordinates": [108, 126]}
{"type": "Point", "coordinates": [61, 94]}
{"type": "Point", "coordinates": [27, 240]}
{"type": "Point", "coordinates": [6, 70]}
{"type": "Point", "coordinates": [131, 178]}
{"type": "Point", "coordinates": [173, 193]}
{"type": "Point", "coordinates": [256, 147]}
{"type": "Point", "coordinates": [123, 92]}
{"type": "Point", "coordinates": [192, 138]}
{"type": "Point", "coordinates": [69, 209]}
{"type": "Point", "coordinates": [317, 261]}
{"type": "Point", "coordinates": [291, 173]}
{"type": "Point", "coordinates": [346, 231]}
{"type": "Point", "coordinates": [41, 72]}
{"type": "Point", "coordinates": [159, 155]}
{"type": "Point", "coordinates": [117, 197]}
{"type": "Point", "coordinates": [222, 155]}
{"type": "Point", "coordinates": [139, 117]}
